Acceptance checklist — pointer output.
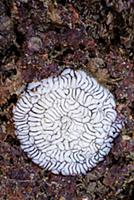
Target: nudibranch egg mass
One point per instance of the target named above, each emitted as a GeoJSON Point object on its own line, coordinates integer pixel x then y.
{"type": "Point", "coordinates": [66, 123]}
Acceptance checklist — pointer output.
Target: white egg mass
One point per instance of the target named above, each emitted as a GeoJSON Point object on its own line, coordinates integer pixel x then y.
{"type": "Point", "coordinates": [67, 123]}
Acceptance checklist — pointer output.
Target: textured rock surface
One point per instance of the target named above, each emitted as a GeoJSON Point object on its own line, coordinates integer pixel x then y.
{"type": "Point", "coordinates": [94, 35]}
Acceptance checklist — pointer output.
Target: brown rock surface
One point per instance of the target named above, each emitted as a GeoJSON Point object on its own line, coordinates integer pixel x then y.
{"type": "Point", "coordinates": [38, 39]}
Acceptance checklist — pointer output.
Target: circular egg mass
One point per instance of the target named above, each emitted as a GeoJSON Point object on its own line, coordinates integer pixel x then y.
{"type": "Point", "coordinates": [66, 123]}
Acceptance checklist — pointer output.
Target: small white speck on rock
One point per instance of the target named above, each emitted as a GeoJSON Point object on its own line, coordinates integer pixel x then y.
{"type": "Point", "coordinates": [66, 124]}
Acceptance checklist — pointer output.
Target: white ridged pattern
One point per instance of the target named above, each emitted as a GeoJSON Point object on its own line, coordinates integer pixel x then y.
{"type": "Point", "coordinates": [66, 124]}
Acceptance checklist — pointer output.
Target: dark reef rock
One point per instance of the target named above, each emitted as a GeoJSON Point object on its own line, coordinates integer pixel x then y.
{"type": "Point", "coordinates": [38, 39]}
